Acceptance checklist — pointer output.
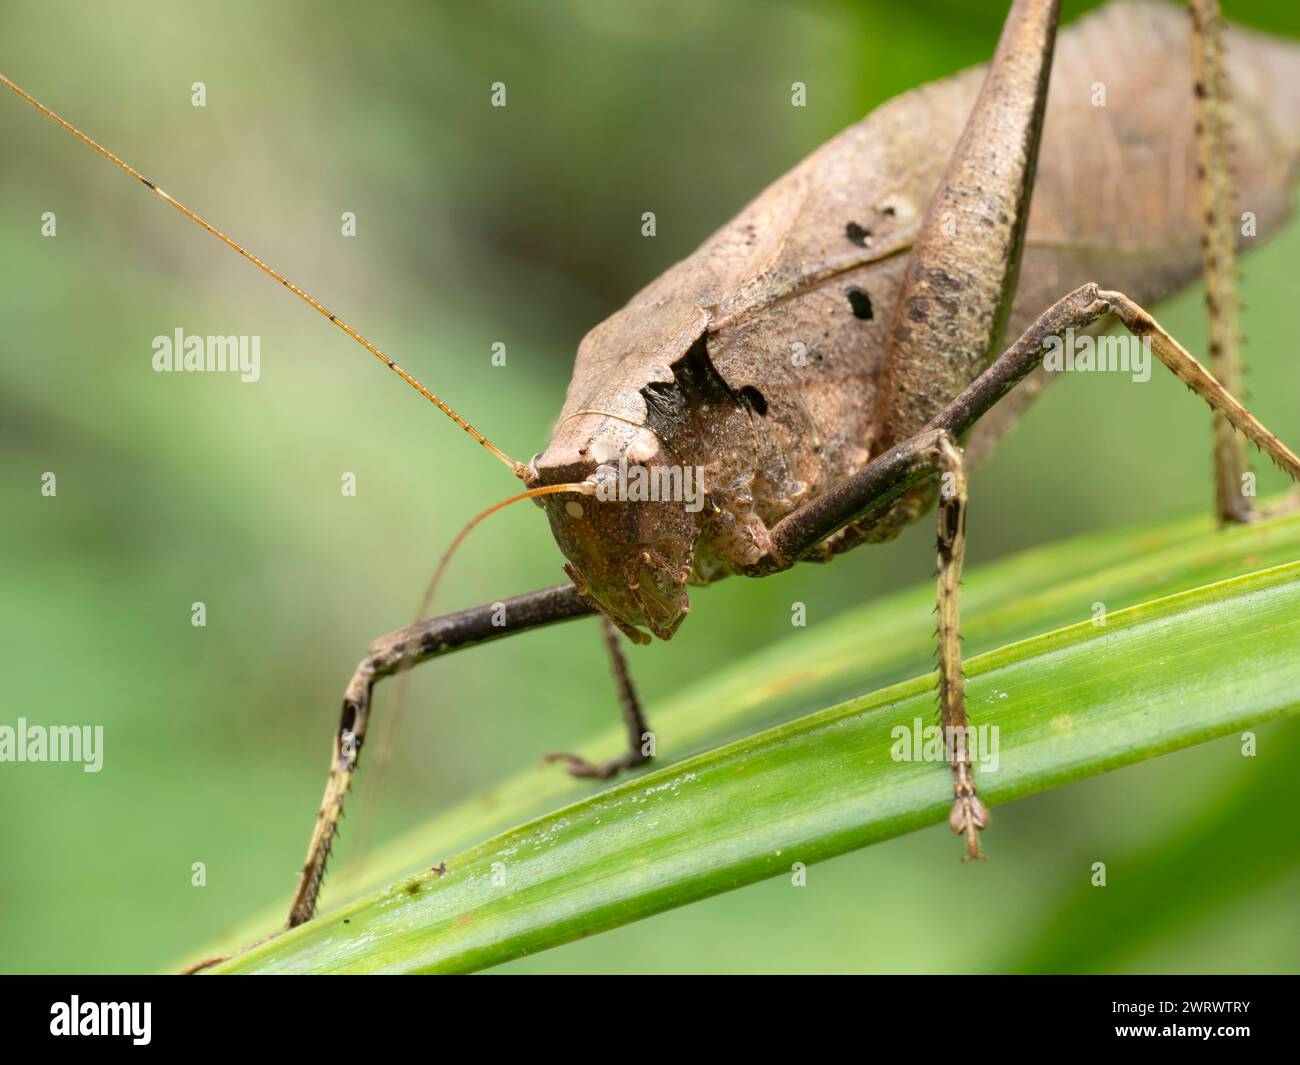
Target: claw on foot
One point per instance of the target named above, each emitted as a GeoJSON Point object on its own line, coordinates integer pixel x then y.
{"type": "Point", "coordinates": [967, 818]}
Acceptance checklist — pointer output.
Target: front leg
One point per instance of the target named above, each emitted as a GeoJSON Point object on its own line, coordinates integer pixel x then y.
{"type": "Point", "coordinates": [390, 654]}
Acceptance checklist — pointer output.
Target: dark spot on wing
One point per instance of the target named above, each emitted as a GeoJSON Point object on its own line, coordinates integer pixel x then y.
{"type": "Point", "coordinates": [861, 304]}
{"type": "Point", "coordinates": [859, 236]}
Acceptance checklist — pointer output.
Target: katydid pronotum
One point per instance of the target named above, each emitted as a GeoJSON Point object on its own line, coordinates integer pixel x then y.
{"type": "Point", "coordinates": [822, 358]}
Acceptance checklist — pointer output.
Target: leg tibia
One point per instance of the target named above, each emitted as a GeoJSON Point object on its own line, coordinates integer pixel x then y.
{"type": "Point", "coordinates": [1218, 250]}
{"type": "Point", "coordinates": [633, 720]}
{"type": "Point", "coordinates": [1080, 309]}
{"type": "Point", "coordinates": [968, 814]}
{"type": "Point", "coordinates": [392, 654]}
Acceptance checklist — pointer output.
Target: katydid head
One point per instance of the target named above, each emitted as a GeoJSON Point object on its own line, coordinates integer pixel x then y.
{"type": "Point", "coordinates": [630, 538]}
{"type": "Point", "coordinates": [632, 560]}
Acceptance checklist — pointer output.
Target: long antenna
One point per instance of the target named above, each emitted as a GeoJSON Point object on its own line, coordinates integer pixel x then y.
{"type": "Point", "coordinates": [517, 468]}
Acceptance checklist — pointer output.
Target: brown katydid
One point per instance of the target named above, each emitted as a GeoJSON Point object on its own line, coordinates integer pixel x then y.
{"type": "Point", "coordinates": [821, 357]}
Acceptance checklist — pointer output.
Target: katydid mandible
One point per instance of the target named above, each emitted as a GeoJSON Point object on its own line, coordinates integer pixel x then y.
{"type": "Point", "coordinates": [805, 382]}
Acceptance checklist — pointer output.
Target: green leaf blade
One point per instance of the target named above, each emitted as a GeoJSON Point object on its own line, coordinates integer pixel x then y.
{"type": "Point", "coordinates": [1071, 703]}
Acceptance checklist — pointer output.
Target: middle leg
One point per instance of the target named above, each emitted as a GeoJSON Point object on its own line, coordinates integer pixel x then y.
{"type": "Point", "coordinates": [633, 720]}
{"type": "Point", "coordinates": [969, 814]}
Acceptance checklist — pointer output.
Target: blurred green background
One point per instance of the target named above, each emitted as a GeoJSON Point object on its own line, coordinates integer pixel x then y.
{"type": "Point", "coordinates": [476, 226]}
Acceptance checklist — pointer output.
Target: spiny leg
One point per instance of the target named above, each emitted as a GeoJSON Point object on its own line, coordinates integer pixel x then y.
{"type": "Point", "coordinates": [633, 719]}
{"type": "Point", "coordinates": [387, 656]}
{"type": "Point", "coordinates": [968, 814]}
{"type": "Point", "coordinates": [873, 495]}
{"type": "Point", "coordinates": [1079, 310]}
{"type": "Point", "coordinates": [929, 453]}
{"type": "Point", "coordinates": [949, 320]}
{"type": "Point", "coordinates": [1218, 247]}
